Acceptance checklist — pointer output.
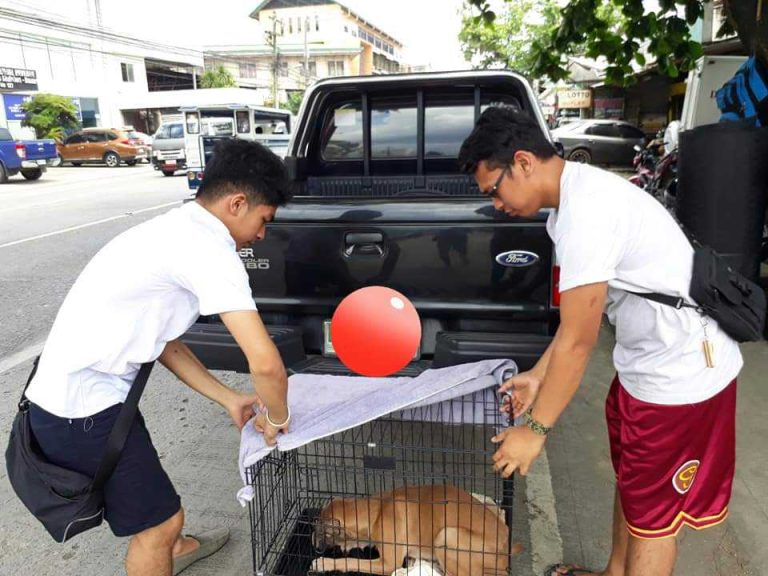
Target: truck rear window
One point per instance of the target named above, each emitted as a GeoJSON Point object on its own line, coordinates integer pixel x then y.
{"type": "Point", "coordinates": [448, 120]}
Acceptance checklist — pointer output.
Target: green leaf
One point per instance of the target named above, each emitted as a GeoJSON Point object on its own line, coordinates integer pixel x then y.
{"type": "Point", "coordinates": [640, 59]}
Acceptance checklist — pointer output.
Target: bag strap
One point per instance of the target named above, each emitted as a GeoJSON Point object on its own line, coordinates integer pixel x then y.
{"type": "Point", "coordinates": [674, 301]}
{"type": "Point", "coordinates": [119, 434]}
{"type": "Point", "coordinates": [23, 402]}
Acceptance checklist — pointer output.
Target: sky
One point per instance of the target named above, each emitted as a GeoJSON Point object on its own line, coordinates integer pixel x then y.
{"type": "Point", "coordinates": [428, 29]}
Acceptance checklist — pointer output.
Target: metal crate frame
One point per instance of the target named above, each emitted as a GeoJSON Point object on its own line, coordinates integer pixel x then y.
{"type": "Point", "coordinates": [441, 444]}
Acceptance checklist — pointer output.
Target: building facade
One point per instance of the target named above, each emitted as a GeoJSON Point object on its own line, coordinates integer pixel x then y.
{"type": "Point", "coordinates": [79, 58]}
{"type": "Point", "coordinates": [305, 40]}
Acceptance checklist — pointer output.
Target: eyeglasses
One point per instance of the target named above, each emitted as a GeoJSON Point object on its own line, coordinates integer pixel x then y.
{"type": "Point", "coordinates": [493, 191]}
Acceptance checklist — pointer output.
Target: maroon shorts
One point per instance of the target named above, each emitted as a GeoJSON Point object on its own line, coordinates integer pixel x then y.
{"type": "Point", "coordinates": [674, 464]}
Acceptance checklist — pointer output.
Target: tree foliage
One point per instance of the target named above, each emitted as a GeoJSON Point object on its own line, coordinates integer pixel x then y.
{"type": "Point", "coordinates": [50, 115]}
{"type": "Point", "coordinates": [665, 34]}
{"type": "Point", "coordinates": [218, 77]}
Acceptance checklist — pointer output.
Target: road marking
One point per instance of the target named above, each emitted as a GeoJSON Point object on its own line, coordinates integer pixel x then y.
{"type": "Point", "coordinates": [89, 224]}
{"type": "Point", "coordinates": [20, 357]}
{"type": "Point", "coordinates": [546, 542]}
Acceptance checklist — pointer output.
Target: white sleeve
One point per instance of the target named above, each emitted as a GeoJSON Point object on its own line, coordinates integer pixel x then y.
{"type": "Point", "coordinates": [589, 246]}
{"type": "Point", "coordinates": [218, 279]}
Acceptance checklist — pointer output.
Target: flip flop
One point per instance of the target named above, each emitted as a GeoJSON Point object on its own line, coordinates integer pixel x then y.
{"type": "Point", "coordinates": [210, 542]}
{"type": "Point", "coordinates": [571, 570]}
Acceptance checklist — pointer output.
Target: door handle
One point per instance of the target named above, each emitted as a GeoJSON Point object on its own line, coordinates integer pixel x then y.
{"type": "Point", "coordinates": [368, 243]}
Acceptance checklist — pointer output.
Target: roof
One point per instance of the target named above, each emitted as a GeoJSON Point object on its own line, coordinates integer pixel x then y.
{"type": "Point", "coordinates": [280, 4]}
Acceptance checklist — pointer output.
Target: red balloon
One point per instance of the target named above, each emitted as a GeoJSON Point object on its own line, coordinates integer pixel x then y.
{"type": "Point", "coordinates": [375, 331]}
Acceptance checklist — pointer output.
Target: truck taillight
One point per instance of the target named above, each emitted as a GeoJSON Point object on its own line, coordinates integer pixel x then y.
{"type": "Point", "coordinates": [21, 151]}
{"type": "Point", "coordinates": [556, 286]}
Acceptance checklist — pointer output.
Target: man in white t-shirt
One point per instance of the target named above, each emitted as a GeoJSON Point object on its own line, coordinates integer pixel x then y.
{"type": "Point", "coordinates": [671, 409]}
{"type": "Point", "coordinates": [130, 305]}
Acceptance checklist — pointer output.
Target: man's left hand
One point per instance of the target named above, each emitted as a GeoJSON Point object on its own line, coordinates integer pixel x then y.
{"type": "Point", "coordinates": [240, 408]}
{"type": "Point", "coordinates": [520, 446]}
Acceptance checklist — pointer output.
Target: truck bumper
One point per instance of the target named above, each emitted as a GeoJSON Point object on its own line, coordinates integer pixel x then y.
{"type": "Point", "coordinates": [34, 164]}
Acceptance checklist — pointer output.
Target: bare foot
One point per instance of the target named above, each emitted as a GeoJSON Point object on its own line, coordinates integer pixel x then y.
{"type": "Point", "coordinates": [184, 545]}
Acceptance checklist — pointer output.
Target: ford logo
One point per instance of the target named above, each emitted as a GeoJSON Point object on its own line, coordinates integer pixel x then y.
{"type": "Point", "coordinates": [517, 258]}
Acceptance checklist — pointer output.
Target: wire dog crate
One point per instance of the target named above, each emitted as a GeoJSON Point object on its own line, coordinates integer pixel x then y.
{"type": "Point", "coordinates": [414, 487]}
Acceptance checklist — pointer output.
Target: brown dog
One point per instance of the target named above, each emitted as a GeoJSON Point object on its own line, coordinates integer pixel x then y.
{"type": "Point", "coordinates": [438, 523]}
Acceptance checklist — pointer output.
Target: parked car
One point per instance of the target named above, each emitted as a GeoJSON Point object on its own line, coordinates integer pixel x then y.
{"type": "Point", "coordinates": [109, 146]}
{"type": "Point", "coordinates": [30, 157]}
{"type": "Point", "coordinates": [146, 140]}
{"type": "Point", "coordinates": [600, 141]}
{"type": "Point", "coordinates": [168, 153]}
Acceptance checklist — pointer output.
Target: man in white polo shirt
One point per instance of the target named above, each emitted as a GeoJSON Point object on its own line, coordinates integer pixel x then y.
{"type": "Point", "coordinates": [130, 305]}
{"type": "Point", "coordinates": [671, 407]}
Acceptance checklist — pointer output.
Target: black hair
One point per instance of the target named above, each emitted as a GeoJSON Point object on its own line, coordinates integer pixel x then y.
{"type": "Point", "coordinates": [244, 166]}
{"type": "Point", "coordinates": [499, 134]}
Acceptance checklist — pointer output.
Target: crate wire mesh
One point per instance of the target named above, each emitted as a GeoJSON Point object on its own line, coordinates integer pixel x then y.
{"type": "Point", "coordinates": [444, 445]}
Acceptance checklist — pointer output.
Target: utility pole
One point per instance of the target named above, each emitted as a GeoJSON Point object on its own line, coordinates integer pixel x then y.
{"type": "Point", "coordinates": [272, 40]}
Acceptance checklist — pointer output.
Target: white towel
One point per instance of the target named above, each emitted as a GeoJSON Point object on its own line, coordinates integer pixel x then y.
{"type": "Point", "coordinates": [323, 405]}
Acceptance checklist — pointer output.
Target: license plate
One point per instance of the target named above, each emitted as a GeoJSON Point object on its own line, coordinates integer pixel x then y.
{"type": "Point", "coordinates": [169, 162]}
{"type": "Point", "coordinates": [328, 344]}
{"type": "Point", "coordinates": [42, 162]}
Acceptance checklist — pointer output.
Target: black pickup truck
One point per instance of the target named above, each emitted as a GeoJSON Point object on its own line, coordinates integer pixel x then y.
{"type": "Point", "coordinates": [379, 200]}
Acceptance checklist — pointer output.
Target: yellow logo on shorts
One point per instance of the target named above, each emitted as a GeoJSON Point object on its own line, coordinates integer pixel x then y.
{"type": "Point", "coordinates": [685, 475]}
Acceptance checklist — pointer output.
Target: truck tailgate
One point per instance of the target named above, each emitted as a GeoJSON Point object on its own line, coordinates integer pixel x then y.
{"type": "Point", "coordinates": [449, 259]}
{"type": "Point", "coordinates": [40, 149]}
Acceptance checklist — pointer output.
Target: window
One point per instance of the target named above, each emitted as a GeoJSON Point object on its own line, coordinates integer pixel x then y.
{"type": "Point", "coordinates": [112, 135]}
{"type": "Point", "coordinates": [446, 125]}
{"type": "Point", "coordinates": [5, 134]}
{"type": "Point", "coordinates": [290, 25]}
{"type": "Point", "coordinates": [95, 137]}
{"type": "Point", "coordinates": [343, 133]}
{"type": "Point", "coordinates": [336, 68]}
{"type": "Point", "coordinates": [312, 69]}
{"type": "Point", "coordinates": [176, 131]}
{"type": "Point", "coordinates": [393, 128]}
{"type": "Point", "coordinates": [248, 70]}
{"type": "Point", "coordinates": [127, 70]}
{"type": "Point", "coordinates": [630, 132]}
{"type": "Point", "coordinates": [243, 121]}
{"type": "Point", "coordinates": [75, 139]}
{"type": "Point", "coordinates": [193, 123]}
{"type": "Point", "coordinates": [606, 130]}
{"type": "Point", "coordinates": [298, 23]}
{"type": "Point", "coordinates": [346, 29]}
{"type": "Point", "coordinates": [317, 23]}
{"type": "Point", "coordinates": [283, 67]}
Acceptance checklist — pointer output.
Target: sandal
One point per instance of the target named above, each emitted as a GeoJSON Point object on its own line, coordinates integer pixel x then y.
{"type": "Point", "coordinates": [210, 542]}
{"type": "Point", "coordinates": [571, 570]}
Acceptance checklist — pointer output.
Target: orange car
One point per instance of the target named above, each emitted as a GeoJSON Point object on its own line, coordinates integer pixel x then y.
{"type": "Point", "coordinates": [109, 146]}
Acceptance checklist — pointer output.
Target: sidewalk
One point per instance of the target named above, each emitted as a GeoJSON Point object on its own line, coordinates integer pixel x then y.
{"type": "Point", "coordinates": [568, 515]}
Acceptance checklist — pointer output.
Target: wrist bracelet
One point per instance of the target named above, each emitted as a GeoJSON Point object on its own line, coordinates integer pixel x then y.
{"type": "Point", "coordinates": [534, 424]}
{"type": "Point", "coordinates": [269, 420]}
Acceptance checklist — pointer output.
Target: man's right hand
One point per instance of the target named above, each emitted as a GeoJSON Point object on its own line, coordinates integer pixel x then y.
{"type": "Point", "coordinates": [523, 388]}
{"type": "Point", "coordinates": [270, 432]}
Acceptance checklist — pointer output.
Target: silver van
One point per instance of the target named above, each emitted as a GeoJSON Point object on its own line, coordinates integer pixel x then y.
{"type": "Point", "coordinates": [168, 154]}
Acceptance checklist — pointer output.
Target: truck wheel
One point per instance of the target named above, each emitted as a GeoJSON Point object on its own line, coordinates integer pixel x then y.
{"type": "Point", "coordinates": [77, 163]}
{"type": "Point", "coordinates": [111, 159]}
{"type": "Point", "coordinates": [3, 174]}
{"type": "Point", "coordinates": [168, 172]}
{"type": "Point", "coordinates": [581, 155]}
{"type": "Point", "coordinates": [32, 174]}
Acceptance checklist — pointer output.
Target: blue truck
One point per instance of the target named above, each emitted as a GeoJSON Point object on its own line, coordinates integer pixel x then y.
{"type": "Point", "coordinates": [30, 157]}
